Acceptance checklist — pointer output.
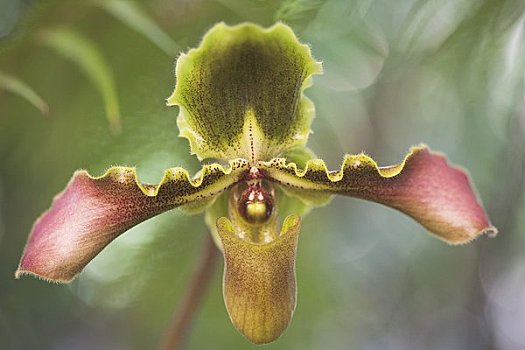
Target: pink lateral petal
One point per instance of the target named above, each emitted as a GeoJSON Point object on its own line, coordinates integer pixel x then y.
{"type": "Point", "coordinates": [437, 195]}
{"type": "Point", "coordinates": [83, 219]}
{"type": "Point", "coordinates": [423, 186]}
{"type": "Point", "coordinates": [92, 212]}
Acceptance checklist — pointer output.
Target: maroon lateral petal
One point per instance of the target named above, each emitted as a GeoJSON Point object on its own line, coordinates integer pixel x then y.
{"type": "Point", "coordinates": [424, 186]}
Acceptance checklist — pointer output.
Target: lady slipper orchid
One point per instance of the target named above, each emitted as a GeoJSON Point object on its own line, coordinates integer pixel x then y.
{"type": "Point", "coordinates": [241, 102]}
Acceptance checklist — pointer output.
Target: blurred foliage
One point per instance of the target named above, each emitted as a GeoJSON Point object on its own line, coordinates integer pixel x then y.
{"type": "Point", "coordinates": [21, 89]}
{"type": "Point", "coordinates": [131, 14]}
{"type": "Point", "coordinates": [86, 55]}
{"type": "Point", "coordinates": [448, 73]}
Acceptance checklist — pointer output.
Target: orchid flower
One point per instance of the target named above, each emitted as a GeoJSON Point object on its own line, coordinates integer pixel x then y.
{"type": "Point", "coordinates": [241, 103]}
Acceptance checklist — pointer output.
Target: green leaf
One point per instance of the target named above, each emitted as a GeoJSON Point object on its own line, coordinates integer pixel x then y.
{"type": "Point", "coordinates": [18, 87]}
{"type": "Point", "coordinates": [240, 92]}
{"type": "Point", "coordinates": [86, 55]}
{"type": "Point", "coordinates": [136, 18]}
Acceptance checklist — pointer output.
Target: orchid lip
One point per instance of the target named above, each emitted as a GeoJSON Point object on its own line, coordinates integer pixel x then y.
{"type": "Point", "coordinates": [259, 284]}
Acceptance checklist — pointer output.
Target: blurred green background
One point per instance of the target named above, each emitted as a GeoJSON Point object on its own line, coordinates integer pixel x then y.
{"type": "Point", "coordinates": [448, 73]}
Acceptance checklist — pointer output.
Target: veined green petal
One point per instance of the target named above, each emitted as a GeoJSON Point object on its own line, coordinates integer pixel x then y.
{"type": "Point", "coordinates": [93, 211]}
{"type": "Point", "coordinates": [423, 186]}
{"type": "Point", "coordinates": [240, 92]}
{"type": "Point", "coordinates": [300, 156]}
{"type": "Point", "coordinates": [218, 209]}
{"type": "Point", "coordinates": [285, 205]}
{"type": "Point", "coordinates": [86, 55]}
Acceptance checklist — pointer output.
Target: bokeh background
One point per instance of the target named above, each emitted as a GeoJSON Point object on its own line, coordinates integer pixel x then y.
{"type": "Point", "coordinates": [448, 73]}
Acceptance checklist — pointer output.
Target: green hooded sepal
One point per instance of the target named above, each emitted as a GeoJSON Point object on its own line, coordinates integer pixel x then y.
{"type": "Point", "coordinates": [240, 92]}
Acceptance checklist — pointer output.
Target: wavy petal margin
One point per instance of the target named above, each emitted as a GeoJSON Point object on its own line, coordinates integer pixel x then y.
{"type": "Point", "coordinates": [240, 92]}
{"type": "Point", "coordinates": [424, 186]}
{"type": "Point", "coordinates": [259, 284]}
{"type": "Point", "coordinates": [93, 211]}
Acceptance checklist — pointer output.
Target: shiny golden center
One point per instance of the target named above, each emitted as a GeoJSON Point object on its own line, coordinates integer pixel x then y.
{"type": "Point", "coordinates": [255, 204]}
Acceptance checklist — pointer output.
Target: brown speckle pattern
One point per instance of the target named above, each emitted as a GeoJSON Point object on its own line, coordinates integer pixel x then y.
{"type": "Point", "coordinates": [91, 212]}
{"type": "Point", "coordinates": [424, 186]}
{"type": "Point", "coordinates": [244, 69]}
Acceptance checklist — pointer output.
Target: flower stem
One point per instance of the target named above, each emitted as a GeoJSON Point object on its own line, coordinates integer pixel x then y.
{"type": "Point", "coordinates": [178, 330]}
